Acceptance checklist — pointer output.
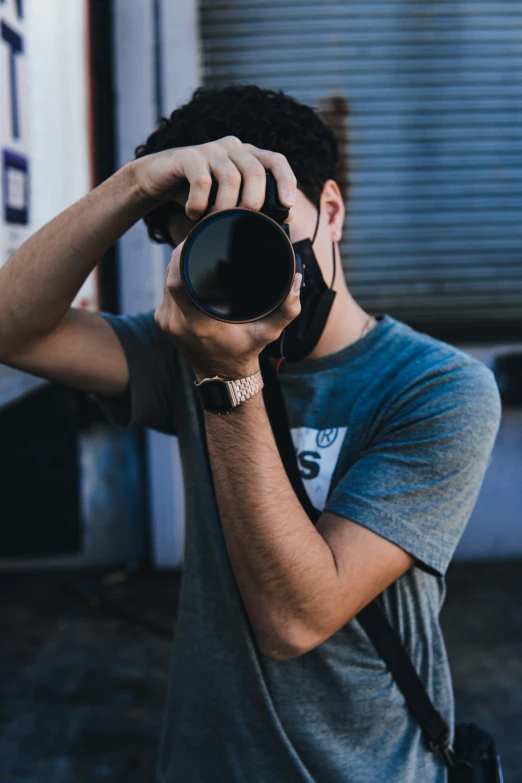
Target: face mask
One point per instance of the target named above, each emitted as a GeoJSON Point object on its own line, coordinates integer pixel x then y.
{"type": "Point", "coordinates": [302, 335]}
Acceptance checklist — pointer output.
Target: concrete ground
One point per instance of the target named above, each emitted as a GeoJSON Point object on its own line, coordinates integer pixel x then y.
{"type": "Point", "coordinates": [84, 658]}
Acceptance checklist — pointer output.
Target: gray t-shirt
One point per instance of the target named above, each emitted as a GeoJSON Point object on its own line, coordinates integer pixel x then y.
{"type": "Point", "coordinates": [394, 432]}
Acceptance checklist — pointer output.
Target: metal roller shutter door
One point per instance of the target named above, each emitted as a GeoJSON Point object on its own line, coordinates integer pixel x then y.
{"type": "Point", "coordinates": [427, 97]}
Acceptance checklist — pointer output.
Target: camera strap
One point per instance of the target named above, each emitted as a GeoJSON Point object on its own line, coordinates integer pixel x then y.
{"type": "Point", "coordinates": [372, 618]}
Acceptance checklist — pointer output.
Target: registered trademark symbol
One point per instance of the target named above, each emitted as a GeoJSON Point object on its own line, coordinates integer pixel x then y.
{"type": "Point", "coordinates": [326, 437]}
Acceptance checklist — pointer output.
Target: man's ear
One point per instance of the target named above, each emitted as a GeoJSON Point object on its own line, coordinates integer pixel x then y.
{"type": "Point", "coordinates": [332, 206]}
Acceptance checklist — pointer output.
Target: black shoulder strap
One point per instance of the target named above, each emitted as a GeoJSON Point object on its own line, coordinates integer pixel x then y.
{"type": "Point", "coordinates": [372, 618]}
{"type": "Point", "coordinates": [388, 644]}
{"type": "Point", "coordinates": [276, 409]}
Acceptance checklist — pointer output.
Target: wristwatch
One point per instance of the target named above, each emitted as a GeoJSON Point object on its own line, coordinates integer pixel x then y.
{"type": "Point", "coordinates": [220, 396]}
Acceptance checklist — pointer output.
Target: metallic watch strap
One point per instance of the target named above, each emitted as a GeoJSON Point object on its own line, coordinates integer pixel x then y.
{"type": "Point", "coordinates": [245, 388]}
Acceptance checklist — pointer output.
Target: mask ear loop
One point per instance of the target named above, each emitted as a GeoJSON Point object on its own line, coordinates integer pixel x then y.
{"type": "Point", "coordinates": [333, 247]}
{"type": "Point", "coordinates": [316, 226]}
{"type": "Point", "coordinates": [334, 264]}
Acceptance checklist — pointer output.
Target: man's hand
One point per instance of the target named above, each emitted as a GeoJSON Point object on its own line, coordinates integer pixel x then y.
{"type": "Point", "coordinates": [213, 347]}
{"type": "Point", "coordinates": [184, 175]}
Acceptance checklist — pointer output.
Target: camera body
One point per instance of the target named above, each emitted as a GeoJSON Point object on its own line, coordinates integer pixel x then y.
{"type": "Point", "coordinates": [272, 207]}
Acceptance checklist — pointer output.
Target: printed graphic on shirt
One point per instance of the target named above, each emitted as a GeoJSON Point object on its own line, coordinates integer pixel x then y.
{"type": "Point", "coordinates": [317, 454]}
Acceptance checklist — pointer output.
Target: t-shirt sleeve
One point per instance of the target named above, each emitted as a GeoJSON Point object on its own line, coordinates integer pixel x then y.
{"type": "Point", "coordinates": [417, 481]}
{"type": "Point", "coordinates": [149, 400]}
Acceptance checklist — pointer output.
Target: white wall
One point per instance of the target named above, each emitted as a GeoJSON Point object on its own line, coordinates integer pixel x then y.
{"type": "Point", "coordinates": [53, 76]}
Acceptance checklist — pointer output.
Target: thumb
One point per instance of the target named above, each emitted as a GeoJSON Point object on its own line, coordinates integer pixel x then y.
{"type": "Point", "coordinates": [173, 281]}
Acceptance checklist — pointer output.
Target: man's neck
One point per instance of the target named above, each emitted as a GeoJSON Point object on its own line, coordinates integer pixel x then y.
{"type": "Point", "coordinates": [344, 326]}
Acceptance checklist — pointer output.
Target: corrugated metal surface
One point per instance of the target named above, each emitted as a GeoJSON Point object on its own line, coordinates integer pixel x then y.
{"type": "Point", "coordinates": [434, 88]}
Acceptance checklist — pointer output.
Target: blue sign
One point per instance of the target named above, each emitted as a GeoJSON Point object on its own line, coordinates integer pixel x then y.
{"type": "Point", "coordinates": [15, 166]}
{"type": "Point", "coordinates": [15, 187]}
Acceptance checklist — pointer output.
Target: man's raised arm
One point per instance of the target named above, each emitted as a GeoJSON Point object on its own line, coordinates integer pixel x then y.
{"type": "Point", "coordinates": [39, 331]}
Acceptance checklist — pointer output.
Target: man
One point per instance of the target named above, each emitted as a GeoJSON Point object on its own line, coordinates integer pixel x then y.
{"type": "Point", "coordinates": [273, 678]}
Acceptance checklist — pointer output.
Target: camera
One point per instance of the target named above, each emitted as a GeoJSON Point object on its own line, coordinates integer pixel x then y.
{"type": "Point", "coordinates": [238, 265]}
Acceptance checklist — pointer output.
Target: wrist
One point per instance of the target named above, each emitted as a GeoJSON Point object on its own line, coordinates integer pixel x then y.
{"type": "Point", "coordinates": [228, 372]}
{"type": "Point", "coordinates": [219, 396]}
{"type": "Point", "coordinates": [140, 198]}
{"type": "Point", "coordinates": [245, 408]}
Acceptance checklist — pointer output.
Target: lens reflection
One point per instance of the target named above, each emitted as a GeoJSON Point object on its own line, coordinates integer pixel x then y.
{"type": "Point", "coordinates": [238, 265]}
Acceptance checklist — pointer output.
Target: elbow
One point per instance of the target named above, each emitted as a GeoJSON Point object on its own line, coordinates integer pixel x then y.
{"type": "Point", "coordinates": [292, 638]}
{"type": "Point", "coordinates": [275, 651]}
{"type": "Point", "coordinates": [288, 644]}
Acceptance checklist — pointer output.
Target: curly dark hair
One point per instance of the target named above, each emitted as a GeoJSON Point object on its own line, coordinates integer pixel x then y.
{"type": "Point", "coordinates": [265, 118]}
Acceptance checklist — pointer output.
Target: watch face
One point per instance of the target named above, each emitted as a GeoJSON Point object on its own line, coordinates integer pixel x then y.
{"type": "Point", "coordinates": [215, 396]}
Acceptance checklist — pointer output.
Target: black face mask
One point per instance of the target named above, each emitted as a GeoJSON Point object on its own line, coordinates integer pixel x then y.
{"type": "Point", "coordinates": [302, 335]}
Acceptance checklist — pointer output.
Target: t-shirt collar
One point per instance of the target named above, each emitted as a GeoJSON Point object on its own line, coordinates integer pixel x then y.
{"type": "Point", "coordinates": [384, 324]}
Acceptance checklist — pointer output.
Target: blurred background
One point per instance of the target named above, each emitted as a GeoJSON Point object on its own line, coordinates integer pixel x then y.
{"type": "Point", "coordinates": [425, 97]}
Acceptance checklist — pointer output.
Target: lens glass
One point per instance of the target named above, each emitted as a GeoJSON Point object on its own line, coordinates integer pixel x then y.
{"type": "Point", "coordinates": [238, 265]}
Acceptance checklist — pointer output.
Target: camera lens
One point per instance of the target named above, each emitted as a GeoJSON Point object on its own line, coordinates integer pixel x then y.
{"type": "Point", "coordinates": [237, 265]}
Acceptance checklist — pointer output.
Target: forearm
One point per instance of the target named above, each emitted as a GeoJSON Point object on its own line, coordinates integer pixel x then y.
{"type": "Point", "coordinates": [40, 280]}
{"type": "Point", "coordinates": [284, 568]}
